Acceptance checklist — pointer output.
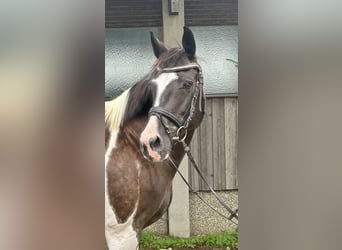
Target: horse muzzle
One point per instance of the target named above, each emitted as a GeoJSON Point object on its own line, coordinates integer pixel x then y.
{"type": "Point", "coordinates": [153, 150]}
{"type": "Point", "coordinates": [155, 144]}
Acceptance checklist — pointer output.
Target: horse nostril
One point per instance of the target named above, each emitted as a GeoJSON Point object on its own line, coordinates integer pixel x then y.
{"type": "Point", "coordinates": [155, 144]}
{"type": "Point", "coordinates": [143, 148]}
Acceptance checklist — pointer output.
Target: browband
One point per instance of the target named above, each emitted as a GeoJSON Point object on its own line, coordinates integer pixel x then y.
{"type": "Point", "coordinates": [181, 68]}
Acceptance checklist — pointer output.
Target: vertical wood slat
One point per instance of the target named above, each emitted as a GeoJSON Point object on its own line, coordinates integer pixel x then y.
{"type": "Point", "coordinates": [209, 146]}
{"type": "Point", "coordinates": [215, 136]}
{"type": "Point", "coordinates": [195, 146]}
{"type": "Point", "coordinates": [218, 143]}
{"type": "Point", "coordinates": [214, 145]}
{"type": "Point", "coordinates": [205, 156]}
{"type": "Point", "coordinates": [230, 116]}
{"type": "Point", "coordinates": [202, 152]}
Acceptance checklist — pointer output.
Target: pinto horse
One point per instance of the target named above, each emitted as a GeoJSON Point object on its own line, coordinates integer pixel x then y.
{"type": "Point", "coordinates": [144, 134]}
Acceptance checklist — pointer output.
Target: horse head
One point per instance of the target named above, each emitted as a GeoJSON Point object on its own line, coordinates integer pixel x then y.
{"type": "Point", "coordinates": [178, 101]}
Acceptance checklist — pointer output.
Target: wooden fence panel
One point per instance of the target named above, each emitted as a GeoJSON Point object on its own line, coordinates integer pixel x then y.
{"type": "Point", "coordinates": [214, 146]}
{"type": "Point", "coordinates": [211, 12]}
{"type": "Point", "coordinates": [148, 13]}
{"type": "Point", "coordinates": [133, 13]}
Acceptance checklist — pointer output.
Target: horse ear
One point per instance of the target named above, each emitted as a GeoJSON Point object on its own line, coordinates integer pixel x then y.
{"type": "Point", "coordinates": [188, 42]}
{"type": "Point", "coordinates": [158, 46]}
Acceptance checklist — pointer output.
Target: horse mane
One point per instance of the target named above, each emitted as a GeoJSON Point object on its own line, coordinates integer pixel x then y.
{"type": "Point", "coordinates": [137, 100]}
{"type": "Point", "coordinates": [115, 111]}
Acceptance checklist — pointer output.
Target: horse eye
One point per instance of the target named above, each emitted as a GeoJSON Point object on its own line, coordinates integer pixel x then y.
{"type": "Point", "coordinates": [187, 85]}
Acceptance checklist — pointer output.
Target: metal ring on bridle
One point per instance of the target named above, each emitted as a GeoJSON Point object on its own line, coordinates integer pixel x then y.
{"type": "Point", "coordinates": [178, 135]}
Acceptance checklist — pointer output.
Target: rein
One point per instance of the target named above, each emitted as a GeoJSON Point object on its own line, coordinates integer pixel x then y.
{"type": "Point", "coordinates": [181, 134]}
{"type": "Point", "coordinates": [233, 214]}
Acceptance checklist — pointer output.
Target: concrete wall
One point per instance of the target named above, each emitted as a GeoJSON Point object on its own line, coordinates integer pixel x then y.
{"type": "Point", "coordinates": [202, 219]}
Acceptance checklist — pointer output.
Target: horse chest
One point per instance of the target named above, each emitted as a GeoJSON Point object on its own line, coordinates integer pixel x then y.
{"type": "Point", "coordinates": [155, 196]}
{"type": "Point", "coordinates": [122, 183]}
{"type": "Point", "coordinates": [121, 195]}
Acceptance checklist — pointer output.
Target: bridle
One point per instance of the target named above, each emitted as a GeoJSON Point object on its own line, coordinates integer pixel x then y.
{"type": "Point", "coordinates": [181, 134]}
{"type": "Point", "coordinates": [182, 125]}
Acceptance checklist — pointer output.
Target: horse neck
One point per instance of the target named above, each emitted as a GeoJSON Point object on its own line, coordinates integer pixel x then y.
{"type": "Point", "coordinates": [133, 130]}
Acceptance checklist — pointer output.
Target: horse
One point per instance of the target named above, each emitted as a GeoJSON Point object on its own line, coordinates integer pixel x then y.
{"type": "Point", "coordinates": [145, 128]}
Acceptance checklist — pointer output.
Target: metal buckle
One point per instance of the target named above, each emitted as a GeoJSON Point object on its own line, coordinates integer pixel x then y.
{"type": "Point", "coordinates": [179, 137]}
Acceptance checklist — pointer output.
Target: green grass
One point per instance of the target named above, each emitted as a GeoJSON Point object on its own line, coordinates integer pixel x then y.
{"type": "Point", "coordinates": [219, 240]}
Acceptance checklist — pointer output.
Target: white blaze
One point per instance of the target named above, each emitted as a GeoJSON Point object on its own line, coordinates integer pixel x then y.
{"type": "Point", "coordinates": [162, 82]}
{"type": "Point", "coordinates": [151, 129]}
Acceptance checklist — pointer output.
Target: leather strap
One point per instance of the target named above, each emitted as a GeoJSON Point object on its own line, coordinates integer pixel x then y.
{"type": "Point", "coordinates": [182, 68]}
{"type": "Point", "coordinates": [161, 111]}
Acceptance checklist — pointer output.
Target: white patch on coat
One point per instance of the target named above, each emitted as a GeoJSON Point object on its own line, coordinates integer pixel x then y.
{"type": "Point", "coordinates": [118, 236]}
{"type": "Point", "coordinates": [162, 81]}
